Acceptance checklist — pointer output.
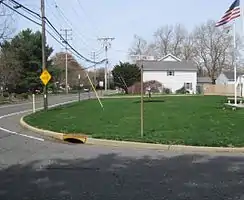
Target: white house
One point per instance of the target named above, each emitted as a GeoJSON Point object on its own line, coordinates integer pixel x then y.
{"type": "Point", "coordinates": [227, 78]}
{"type": "Point", "coordinates": [172, 72]}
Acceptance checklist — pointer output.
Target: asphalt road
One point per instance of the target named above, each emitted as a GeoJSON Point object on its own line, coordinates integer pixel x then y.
{"type": "Point", "coordinates": [34, 168]}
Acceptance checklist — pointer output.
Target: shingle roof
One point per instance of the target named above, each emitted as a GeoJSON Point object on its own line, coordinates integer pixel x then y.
{"type": "Point", "coordinates": [204, 79]}
{"type": "Point", "coordinates": [168, 65]}
{"type": "Point", "coordinates": [230, 75]}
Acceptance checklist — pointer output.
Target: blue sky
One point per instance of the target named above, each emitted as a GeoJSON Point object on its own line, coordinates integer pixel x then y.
{"type": "Point", "coordinates": [120, 19]}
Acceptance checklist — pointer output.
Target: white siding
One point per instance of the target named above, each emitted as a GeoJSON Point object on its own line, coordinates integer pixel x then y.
{"type": "Point", "coordinates": [172, 82]}
{"type": "Point", "coordinates": [222, 79]}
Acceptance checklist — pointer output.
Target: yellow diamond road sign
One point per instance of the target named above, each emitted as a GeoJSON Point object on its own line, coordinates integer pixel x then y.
{"type": "Point", "coordinates": [45, 77]}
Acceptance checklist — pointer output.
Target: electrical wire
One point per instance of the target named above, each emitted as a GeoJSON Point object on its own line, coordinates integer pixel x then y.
{"type": "Point", "coordinates": [70, 23]}
{"type": "Point", "coordinates": [20, 13]}
{"type": "Point", "coordinates": [86, 59]}
{"type": "Point", "coordinates": [89, 18]}
{"type": "Point", "coordinates": [54, 14]}
{"type": "Point", "coordinates": [25, 8]}
{"type": "Point", "coordinates": [39, 24]}
{"type": "Point", "coordinates": [37, 16]}
{"type": "Point", "coordinates": [52, 26]}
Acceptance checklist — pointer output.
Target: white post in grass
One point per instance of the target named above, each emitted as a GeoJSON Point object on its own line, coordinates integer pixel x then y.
{"type": "Point", "coordinates": [33, 103]}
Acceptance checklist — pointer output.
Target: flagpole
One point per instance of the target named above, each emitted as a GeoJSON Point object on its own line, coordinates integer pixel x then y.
{"type": "Point", "coordinates": [242, 17]}
{"type": "Point", "coordinates": [234, 54]}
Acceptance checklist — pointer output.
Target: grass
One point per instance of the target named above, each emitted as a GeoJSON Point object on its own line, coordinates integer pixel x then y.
{"type": "Point", "coordinates": [199, 120]}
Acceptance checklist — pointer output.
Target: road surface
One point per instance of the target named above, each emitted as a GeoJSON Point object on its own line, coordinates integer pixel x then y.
{"type": "Point", "coordinates": [34, 168]}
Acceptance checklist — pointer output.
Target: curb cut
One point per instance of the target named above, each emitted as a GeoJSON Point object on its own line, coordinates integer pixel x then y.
{"type": "Point", "coordinates": [139, 145]}
{"type": "Point", "coordinates": [52, 134]}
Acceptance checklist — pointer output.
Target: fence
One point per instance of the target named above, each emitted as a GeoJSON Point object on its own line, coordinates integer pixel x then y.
{"type": "Point", "coordinates": [224, 90]}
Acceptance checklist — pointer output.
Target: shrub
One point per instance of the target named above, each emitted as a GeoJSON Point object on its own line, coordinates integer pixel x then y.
{"type": "Point", "coordinates": [5, 94]}
{"type": "Point", "coordinates": [154, 85]}
{"type": "Point", "coordinates": [181, 91]}
{"type": "Point", "coordinates": [23, 96]}
{"type": "Point", "coordinates": [167, 91]}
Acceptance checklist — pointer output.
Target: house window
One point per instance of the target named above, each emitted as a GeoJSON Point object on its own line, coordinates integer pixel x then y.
{"type": "Point", "coordinates": [170, 73]}
{"type": "Point", "coordinates": [188, 86]}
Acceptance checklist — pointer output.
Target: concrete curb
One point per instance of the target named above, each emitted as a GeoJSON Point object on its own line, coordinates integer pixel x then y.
{"type": "Point", "coordinates": [140, 145]}
{"type": "Point", "coordinates": [145, 96]}
{"type": "Point", "coordinates": [152, 146]}
{"type": "Point", "coordinates": [52, 134]}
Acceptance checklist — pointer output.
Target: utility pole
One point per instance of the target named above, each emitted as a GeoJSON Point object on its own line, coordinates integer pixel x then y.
{"type": "Point", "coordinates": [43, 51]}
{"type": "Point", "coordinates": [94, 60]}
{"type": "Point", "coordinates": [106, 44]}
{"type": "Point", "coordinates": [67, 37]}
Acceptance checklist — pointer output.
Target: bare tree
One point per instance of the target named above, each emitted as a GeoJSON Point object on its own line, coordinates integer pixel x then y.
{"type": "Point", "coordinates": [179, 40]}
{"type": "Point", "coordinates": [139, 46]}
{"type": "Point", "coordinates": [163, 40]}
{"type": "Point", "coordinates": [74, 68]}
{"type": "Point", "coordinates": [9, 69]}
{"type": "Point", "coordinates": [174, 40]}
{"type": "Point", "coordinates": [212, 46]}
{"type": "Point", "coordinates": [6, 23]}
{"type": "Point", "coordinates": [188, 49]}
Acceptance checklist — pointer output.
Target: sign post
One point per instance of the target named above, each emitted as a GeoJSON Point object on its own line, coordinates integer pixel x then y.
{"type": "Point", "coordinates": [45, 78]}
{"type": "Point", "coordinates": [142, 102]}
{"type": "Point", "coordinates": [79, 86]}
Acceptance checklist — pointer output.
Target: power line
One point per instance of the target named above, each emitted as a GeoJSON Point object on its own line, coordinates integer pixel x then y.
{"type": "Point", "coordinates": [53, 14]}
{"type": "Point", "coordinates": [92, 23]}
{"type": "Point", "coordinates": [48, 21]}
{"type": "Point", "coordinates": [20, 13]}
{"type": "Point", "coordinates": [70, 24]}
{"type": "Point", "coordinates": [25, 8]}
{"type": "Point", "coordinates": [86, 59]}
{"type": "Point", "coordinates": [36, 15]}
{"type": "Point", "coordinates": [39, 24]}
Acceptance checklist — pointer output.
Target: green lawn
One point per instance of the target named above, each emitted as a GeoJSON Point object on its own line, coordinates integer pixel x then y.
{"type": "Point", "coordinates": [186, 120]}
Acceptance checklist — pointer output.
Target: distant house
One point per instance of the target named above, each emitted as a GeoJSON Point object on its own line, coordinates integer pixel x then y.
{"type": "Point", "coordinates": [203, 80]}
{"type": "Point", "coordinates": [227, 78]}
{"type": "Point", "coordinates": [172, 72]}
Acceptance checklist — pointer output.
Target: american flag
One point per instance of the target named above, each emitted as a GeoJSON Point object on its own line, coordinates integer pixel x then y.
{"type": "Point", "coordinates": [233, 12]}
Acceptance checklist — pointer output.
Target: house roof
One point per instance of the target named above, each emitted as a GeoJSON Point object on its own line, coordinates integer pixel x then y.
{"type": "Point", "coordinates": [169, 56]}
{"type": "Point", "coordinates": [168, 65]}
{"type": "Point", "coordinates": [204, 79]}
{"type": "Point", "coordinates": [230, 74]}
